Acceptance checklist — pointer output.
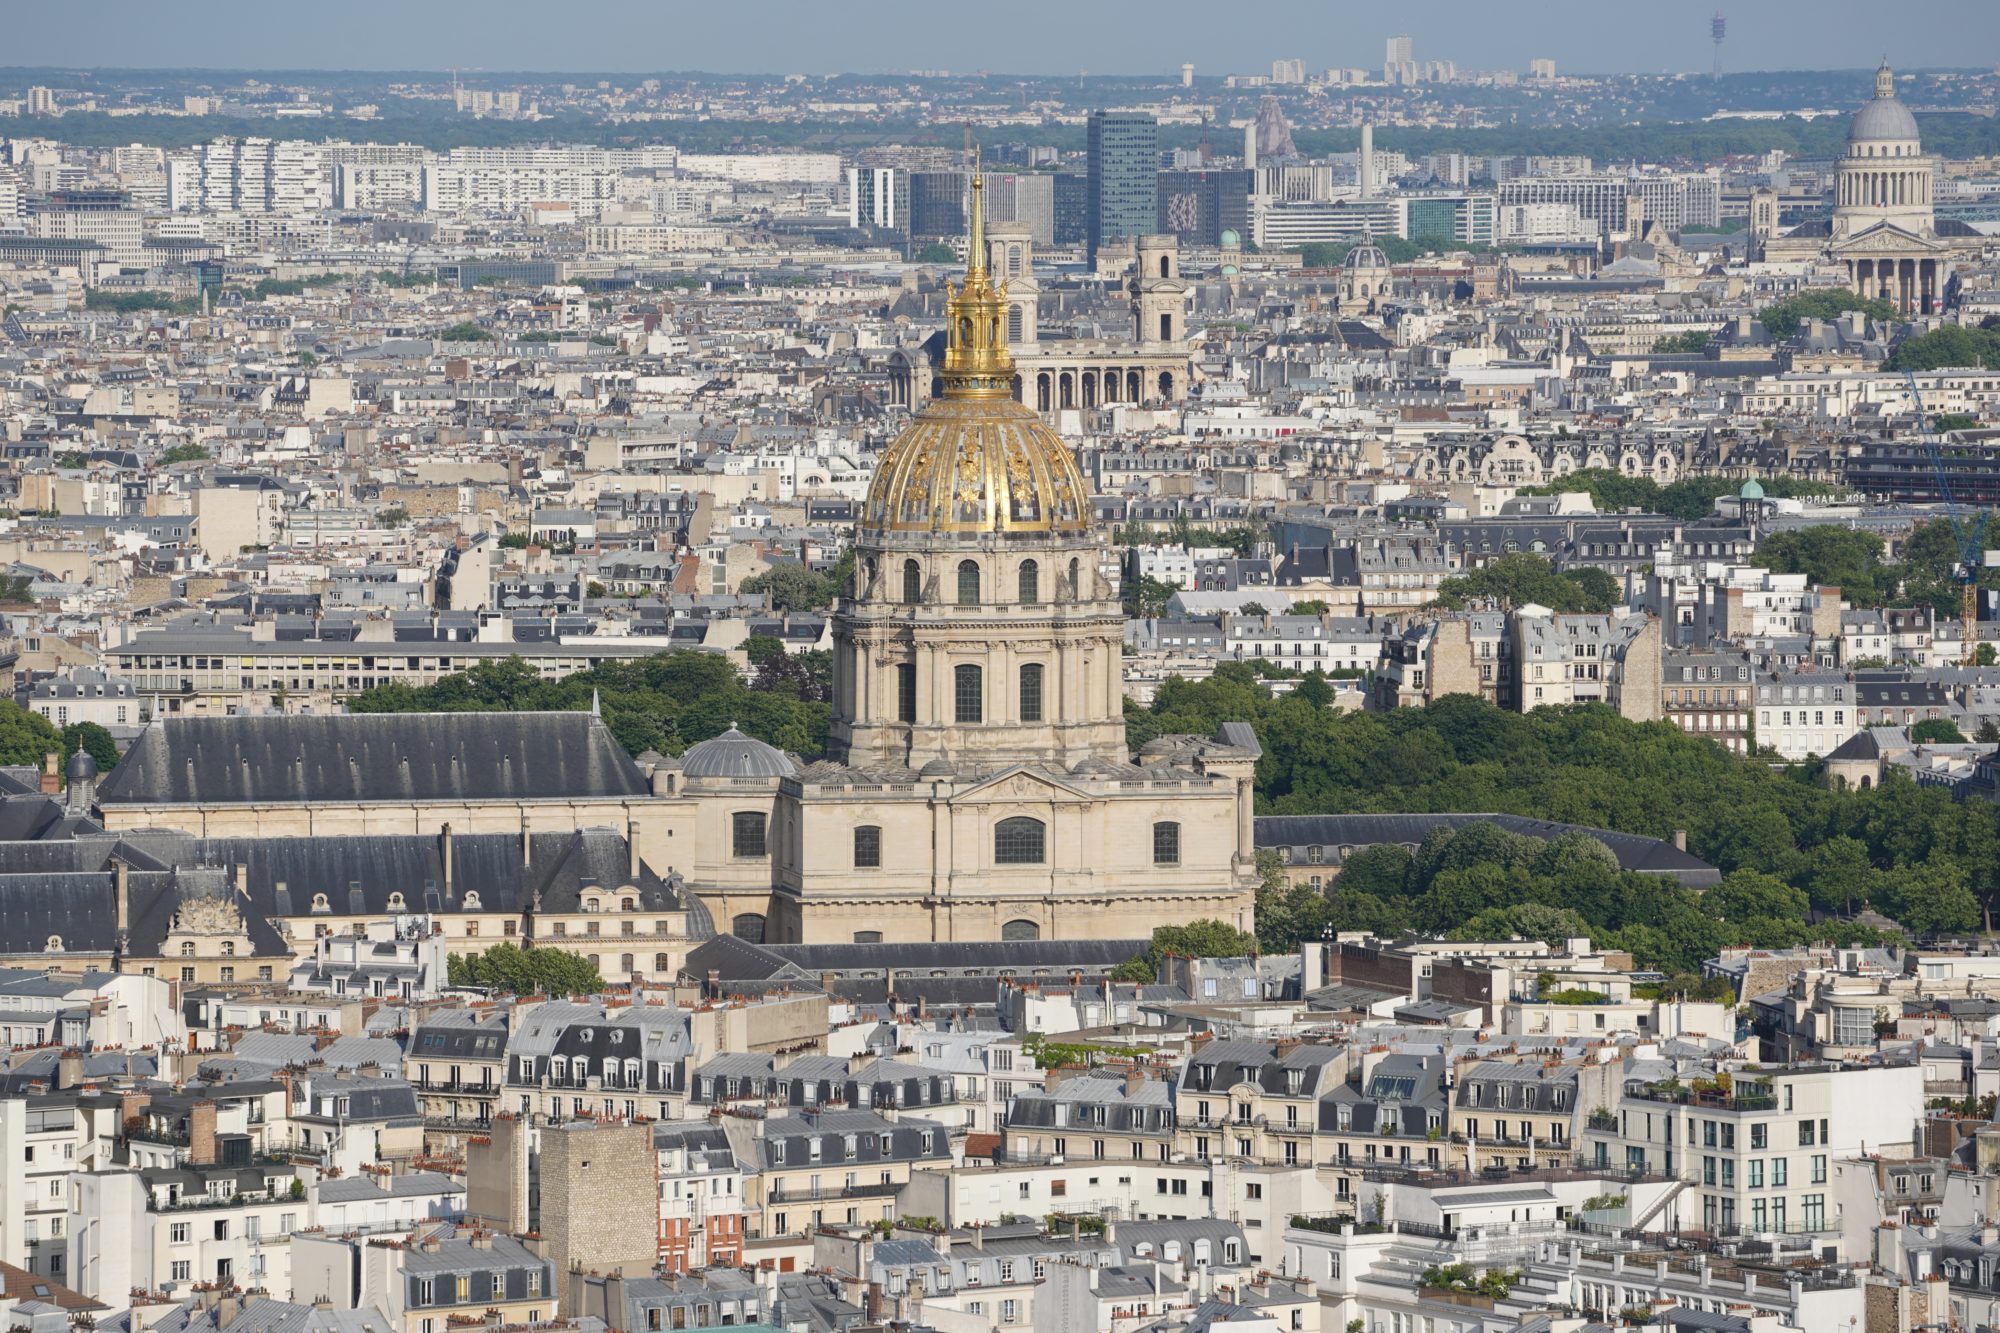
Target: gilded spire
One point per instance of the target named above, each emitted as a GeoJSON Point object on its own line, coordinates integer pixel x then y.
{"type": "Point", "coordinates": [976, 363]}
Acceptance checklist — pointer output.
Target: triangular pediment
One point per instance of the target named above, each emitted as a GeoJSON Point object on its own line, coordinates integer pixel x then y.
{"type": "Point", "coordinates": [1886, 236]}
{"type": "Point", "coordinates": [1022, 783]}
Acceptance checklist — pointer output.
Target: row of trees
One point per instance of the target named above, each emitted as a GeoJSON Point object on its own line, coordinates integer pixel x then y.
{"type": "Point", "coordinates": [516, 971]}
{"type": "Point", "coordinates": [1521, 577]}
{"type": "Point", "coordinates": [666, 702]}
{"type": "Point", "coordinates": [1854, 562]}
{"type": "Point", "coordinates": [1689, 499]}
{"type": "Point", "coordinates": [1782, 319]}
{"type": "Point", "coordinates": [1784, 840]}
{"type": "Point", "coordinates": [1951, 345]}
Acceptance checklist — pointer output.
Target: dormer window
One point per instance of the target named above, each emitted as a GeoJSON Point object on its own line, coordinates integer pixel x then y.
{"type": "Point", "coordinates": [395, 902]}
{"type": "Point", "coordinates": [472, 901]}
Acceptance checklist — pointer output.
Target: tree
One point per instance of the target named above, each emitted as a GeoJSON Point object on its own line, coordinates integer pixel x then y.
{"type": "Point", "coordinates": [1829, 556]}
{"type": "Point", "coordinates": [937, 252]}
{"type": "Point", "coordinates": [1936, 731]}
{"type": "Point", "coordinates": [94, 741]}
{"type": "Point", "coordinates": [1310, 606]}
{"type": "Point", "coordinates": [510, 969]}
{"type": "Point", "coordinates": [25, 737]}
{"type": "Point", "coordinates": [189, 452]}
{"type": "Point", "coordinates": [1931, 898]}
{"type": "Point", "coordinates": [1949, 345]}
{"type": "Point", "coordinates": [395, 516]}
{"type": "Point", "coordinates": [1254, 609]}
{"type": "Point", "coordinates": [465, 331]}
{"type": "Point", "coordinates": [1692, 340]}
{"type": "Point", "coordinates": [1146, 597]}
{"type": "Point", "coordinates": [1521, 577]}
{"type": "Point", "coordinates": [73, 459]}
{"type": "Point", "coordinates": [1989, 732]}
{"type": "Point", "coordinates": [1783, 319]}
{"type": "Point", "coordinates": [793, 587]}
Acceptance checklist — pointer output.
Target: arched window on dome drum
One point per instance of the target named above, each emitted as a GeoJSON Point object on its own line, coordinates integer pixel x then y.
{"type": "Point", "coordinates": [968, 694]}
{"type": "Point", "coordinates": [1031, 692]}
{"type": "Point", "coordinates": [1020, 841]}
{"type": "Point", "coordinates": [748, 926]}
{"type": "Point", "coordinates": [1020, 930]}
{"type": "Point", "coordinates": [1074, 574]}
{"type": "Point", "coordinates": [913, 581]}
{"type": "Point", "coordinates": [968, 583]}
{"type": "Point", "coordinates": [1031, 581]}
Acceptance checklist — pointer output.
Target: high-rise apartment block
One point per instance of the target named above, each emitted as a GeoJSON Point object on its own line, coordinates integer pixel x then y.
{"type": "Point", "coordinates": [1124, 163]}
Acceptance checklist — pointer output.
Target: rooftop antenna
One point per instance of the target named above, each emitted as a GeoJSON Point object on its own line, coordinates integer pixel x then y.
{"type": "Point", "coordinates": [1718, 28]}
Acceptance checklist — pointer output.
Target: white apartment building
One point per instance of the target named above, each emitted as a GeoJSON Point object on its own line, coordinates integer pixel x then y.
{"type": "Point", "coordinates": [1805, 712]}
{"type": "Point", "coordinates": [764, 168]}
{"type": "Point", "coordinates": [133, 1231]}
{"type": "Point", "coordinates": [1674, 199]}
{"type": "Point", "coordinates": [1757, 1153]}
{"type": "Point", "coordinates": [283, 176]}
{"type": "Point", "coordinates": [377, 186]}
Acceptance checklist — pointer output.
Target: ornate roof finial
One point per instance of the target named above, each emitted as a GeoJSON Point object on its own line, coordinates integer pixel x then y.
{"type": "Point", "coordinates": [976, 363]}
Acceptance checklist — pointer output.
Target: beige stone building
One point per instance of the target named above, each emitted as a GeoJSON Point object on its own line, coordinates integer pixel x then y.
{"type": "Point", "coordinates": [978, 786]}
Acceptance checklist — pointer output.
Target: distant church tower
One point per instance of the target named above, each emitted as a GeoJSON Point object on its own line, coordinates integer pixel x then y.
{"type": "Point", "coordinates": [1159, 296]}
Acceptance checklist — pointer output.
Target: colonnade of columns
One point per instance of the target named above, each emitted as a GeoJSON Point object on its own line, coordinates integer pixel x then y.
{"type": "Point", "coordinates": [1908, 284]}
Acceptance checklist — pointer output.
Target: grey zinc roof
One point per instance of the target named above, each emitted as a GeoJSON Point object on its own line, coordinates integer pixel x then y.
{"type": "Point", "coordinates": [372, 757]}
{"type": "Point", "coordinates": [734, 755]}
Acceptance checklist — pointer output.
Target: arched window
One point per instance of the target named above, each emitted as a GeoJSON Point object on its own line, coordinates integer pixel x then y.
{"type": "Point", "coordinates": [187, 948]}
{"type": "Point", "coordinates": [660, 962]}
{"type": "Point", "coordinates": [1031, 692]}
{"type": "Point", "coordinates": [1075, 573]}
{"type": "Point", "coordinates": [1020, 930]}
{"type": "Point", "coordinates": [748, 926]}
{"type": "Point", "coordinates": [1165, 272]}
{"type": "Point", "coordinates": [968, 583]}
{"type": "Point", "coordinates": [913, 581]}
{"type": "Point", "coordinates": [54, 944]}
{"type": "Point", "coordinates": [906, 691]}
{"type": "Point", "coordinates": [746, 834]}
{"type": "Point", "coordinates": [968, 694]}
{"type": "Point", "coordinates": [625, 965]}
{"type": "Point", "coordinates": [1020, 841]}
{"type": "Point", "coordinates": [1166, 843]}
{"type": "Point", "coordinates": [1031, 581]}
{"type": "Point", "coordinates": [868, 846]}
{"type": "Point", "coordinates": [229, 948]}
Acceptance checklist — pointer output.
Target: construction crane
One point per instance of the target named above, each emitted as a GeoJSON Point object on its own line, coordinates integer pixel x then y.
{"type": "Point", "coordinates": [1968, 533]}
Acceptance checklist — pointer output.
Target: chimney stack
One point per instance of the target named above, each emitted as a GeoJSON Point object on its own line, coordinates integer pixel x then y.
{"type": "Point", "coordinates": [51, 773]}
{"type": "Point", "coordinates": [632, 849]}
{"type": "Point", "coordinates": [201, 1134]}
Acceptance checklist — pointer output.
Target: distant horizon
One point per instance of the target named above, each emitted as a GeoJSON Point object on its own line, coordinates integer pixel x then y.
{"type": "Point", "coordinates": [1041, 38]}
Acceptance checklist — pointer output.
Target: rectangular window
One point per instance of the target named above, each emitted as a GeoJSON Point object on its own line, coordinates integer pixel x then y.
{"type": "Point", "coordinates": [906, 691]}
{"type": "Point", "coordinates": [1166, 843]}
{"type": "Point", "coordinates": [867, 846]}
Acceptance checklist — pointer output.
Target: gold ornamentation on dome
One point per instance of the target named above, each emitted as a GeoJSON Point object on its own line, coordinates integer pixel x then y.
{"type": "Point", "coordinates": [975, 460]}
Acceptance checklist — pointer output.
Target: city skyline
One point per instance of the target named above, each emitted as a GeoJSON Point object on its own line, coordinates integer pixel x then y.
{"type": "Point", "coordinates": [888, 36]}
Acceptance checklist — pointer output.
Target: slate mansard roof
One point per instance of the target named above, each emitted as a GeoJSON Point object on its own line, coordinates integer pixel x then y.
{"type": "Point", "coordinates": [373, 757]}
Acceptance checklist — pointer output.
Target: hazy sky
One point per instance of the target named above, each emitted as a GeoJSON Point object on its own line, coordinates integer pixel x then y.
{"type": "Point", "coordinates": [1026, 36]}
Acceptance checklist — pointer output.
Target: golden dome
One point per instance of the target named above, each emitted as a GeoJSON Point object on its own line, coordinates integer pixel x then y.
{"type": "Point", "coordinates": [975, 460]}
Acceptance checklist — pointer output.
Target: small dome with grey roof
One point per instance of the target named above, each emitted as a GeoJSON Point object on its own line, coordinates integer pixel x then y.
{"type": "Point", "coordinates": [1367, 255]}
{"type": "Point", "coordinates": [734, 755]}
{"type": "Point", "coordinates": [81, 768]}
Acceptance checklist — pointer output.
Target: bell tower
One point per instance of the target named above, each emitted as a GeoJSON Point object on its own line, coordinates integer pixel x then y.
{"type": "Point", "coordinates": [1159, 296]}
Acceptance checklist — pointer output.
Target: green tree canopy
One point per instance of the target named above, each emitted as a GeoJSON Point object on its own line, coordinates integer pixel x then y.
{"type": "Point", "coordinates": [92, 739]}
{"type": "Point", "coordinates": [1949, 345]}
{"type": "Point", "coordinates": [1521, 577]}
{"type": "Point", "coordinates": [532, 971]}
{"type": "Point", "coordinates": [25, 737]}
{"type": "Point", "coordinates": [1782, 319]}
{"type": "Point", "coordinates": [465, 331]}
{"type": "Point", "coordinates": [189, 452]}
